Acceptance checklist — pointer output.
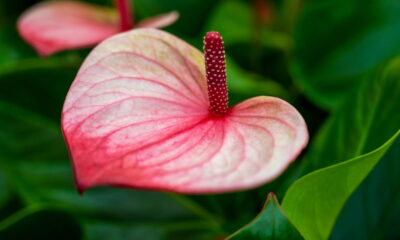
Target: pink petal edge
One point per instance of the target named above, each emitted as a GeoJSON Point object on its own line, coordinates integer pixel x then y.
{"type": "Point", "coordinates": [137, 116]}
{"type": "Point", "coordinates": [60, 25]}
{"type": "Point", "coordinates": [159, 21]}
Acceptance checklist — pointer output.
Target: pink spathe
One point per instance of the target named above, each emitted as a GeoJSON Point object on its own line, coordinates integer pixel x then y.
{"type": "Point", "coordinates": [54, 26]}
{"type": "Point", "coordinates": [138, 115]}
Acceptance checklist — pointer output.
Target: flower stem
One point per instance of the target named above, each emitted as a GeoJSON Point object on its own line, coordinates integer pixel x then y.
{"type": "Point", "coordinates": [214, 54]}
{"type": "Point", "coordinates": [125, 14]}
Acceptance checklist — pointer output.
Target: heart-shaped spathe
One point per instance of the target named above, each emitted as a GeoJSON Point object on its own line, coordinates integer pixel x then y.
{"type": "Point", "coordinates": [137, 115]}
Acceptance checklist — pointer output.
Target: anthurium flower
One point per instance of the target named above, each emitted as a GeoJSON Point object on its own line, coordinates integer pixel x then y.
{"type": "Point", "coordinates": [147, 110]}
{"type": "Point", "coordinates": [60, 25]}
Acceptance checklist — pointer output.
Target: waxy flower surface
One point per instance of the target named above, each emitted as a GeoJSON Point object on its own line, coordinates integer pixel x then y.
{"type": "Point", "coordinates": [54, 26]}
{"type": "Point", "coordinates": [149, 111]}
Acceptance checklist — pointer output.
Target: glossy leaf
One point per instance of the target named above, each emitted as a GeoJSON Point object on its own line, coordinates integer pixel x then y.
{"type": "Point", "coordinates": [180, 230]}
{"type": "Point", "coordinates": [17, 152]}
{"type": "Point", "coordinates": [270, 224]}
{"type": "Point", "coordinates": [372, 210]}
{"type": "Point", "coordinates": [4, 190]}
{"type": "Point", "coordinates": [244, 84]}
{"type": "Point", "coordinates": [137, 115]}
{"type": "Point", "coordinates": [314, 201]}
{"type": "Point", "coordinates": [51, 77]}
{"type": "Point", "coordinates": [239, 16]}
{"type": "Point", "coordinates": [363, 123]}
{"type": "Point", "coordinates": [336, 42]}
{"type": "Point", "coordinates": [366, 119]}
{"type": "Point", "coordinates": [192, 13]}
{"type": "Point", "coordinates": [30, 223]}
{"type": "Point", "coordinates": [12, 47]}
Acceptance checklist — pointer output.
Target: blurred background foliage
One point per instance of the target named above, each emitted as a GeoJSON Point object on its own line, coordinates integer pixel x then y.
{"type": "Point", "coordinates": [334, 60]}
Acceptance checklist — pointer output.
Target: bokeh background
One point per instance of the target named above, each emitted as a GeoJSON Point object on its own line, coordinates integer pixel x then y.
{"type": "Point", "coordinates": [322, 56]}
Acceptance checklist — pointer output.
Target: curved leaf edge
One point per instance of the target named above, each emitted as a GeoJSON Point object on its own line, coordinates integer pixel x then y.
{"type": "Point", "coordinates": [310, 92]}
{"type": "Point", "coordinates": [291, 197]}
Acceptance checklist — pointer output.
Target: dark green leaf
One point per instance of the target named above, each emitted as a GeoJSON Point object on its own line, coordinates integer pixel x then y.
{"type": "Point", "coordinates": [235, 21]}
{"type": "Point", "coordinates": [364, 122]}
{"type": "Point", "coordinates": [270, 224]}
{"type": "Point", "coordinates": [374, 207]}
{"type": "Point", "coordinates": [229, 15]}
{"type": "Point", "coordinates": [38, 223]}
{"type": "Point", "coordinates": [11, 10]}
{"type": "Point", "coordinates": [192, 13]}
{"type": "Point", "coordinates": [337, 41]}
{"type": "Point", "coordinates": [243, 85]}
{"type": "Point", "coordinates": [4, 190]}
{"type": "Point", "coordinates": [117, 231]}
{"type": "Point", "coordinates": [196, 230]}
{"type": "Point", "coordinates": [314, 201]}
{"type": "Point", "coordinates": [12, 47]}
{"type": "Point", "coordinates": [41, 89]}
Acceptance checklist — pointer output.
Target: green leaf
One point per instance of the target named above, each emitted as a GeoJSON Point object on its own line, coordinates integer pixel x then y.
{"type": "Point", "coordinates": [11, 10]}
{"type": "Point", "coordinates": [365, 120]}
{"type": "Point", "coordinates": [40, 88]}
{"type": "Point", "coordinates": [12, 47]}
{"type": "Point", "coordinates": [314, 201]}
{"type": "Point", "coordinates": [4, 190]}
{"type": "Point", "coordinates": [243, 84]}
{"type": "Point", "coordinates": [116, 231]}
{"type": "Point", "coordinates": [192, 13]}
{"type": "Point", "coordinates": [271, 224]}
{"type": "Point", "coordinates": [180, 230]}
{"type": "Point", "coordinates": [37, 222]}
{"type": "Point", "coordinates": [374, 207]}
{"type": "Point", "coordinates": [23, 138]}
{"type": "Point", "coordinates": [338, 41]}
{"type": "Point", "coordinates": [234, 20]}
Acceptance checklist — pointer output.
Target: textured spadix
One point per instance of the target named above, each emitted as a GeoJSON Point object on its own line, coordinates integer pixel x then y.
{"type": "Point", "coordinates": [60, 25]}
{"type": "Point", "coordinates": [138, 115]}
